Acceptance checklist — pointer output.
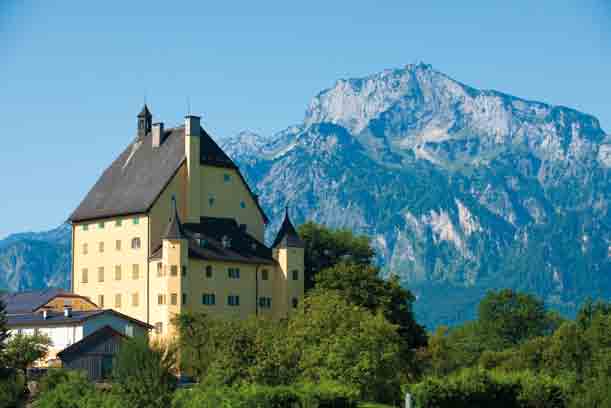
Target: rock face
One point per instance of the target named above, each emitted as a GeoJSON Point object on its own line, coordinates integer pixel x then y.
{"type": "Point", "coordinates": [461, 190]}
{"type": "Point", "coordinates": [36, 260]}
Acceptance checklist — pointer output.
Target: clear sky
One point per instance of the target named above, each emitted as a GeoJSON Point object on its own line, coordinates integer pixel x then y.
{"type": "Point", "coordinates": [73, 74]}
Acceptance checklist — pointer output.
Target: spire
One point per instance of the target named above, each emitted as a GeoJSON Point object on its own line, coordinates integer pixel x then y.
{"type": "Point", "coordinates": [174, 229]}
{"type": "Point", "coordinates": [287, 235]}
{"type": "Point", "coordinates": [145, 121]}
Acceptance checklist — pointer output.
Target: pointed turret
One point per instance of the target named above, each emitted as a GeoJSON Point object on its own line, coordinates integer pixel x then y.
{"type": "Point", "coordinates": [145, 121]}
{"type": "Point", "coordinates": [287, 235]}
{"type": "Point", "coordinates": [174, 229]}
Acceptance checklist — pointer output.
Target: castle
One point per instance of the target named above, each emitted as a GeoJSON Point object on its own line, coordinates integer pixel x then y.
{"type": "Point", "coordinates": [172, 226]}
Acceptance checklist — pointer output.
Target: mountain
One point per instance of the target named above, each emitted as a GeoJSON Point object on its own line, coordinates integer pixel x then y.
{"type": "Point", "coordinates": [36, 260]}
{"type": "Point", "coordinates": [461, 190]}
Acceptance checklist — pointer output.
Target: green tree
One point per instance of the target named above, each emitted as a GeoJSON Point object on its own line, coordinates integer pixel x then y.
{"type": "Point", "coordinates": [325, 248]}
{"type": "Point", "coordinates": [142, 373]}
{"type": "Point", "coordinates": [23, 350]}
{"type": "Point", "coordinates": [3, 328]}
{"type": "Point", "coordinates": [362, 285]}
{"type": "Point", "coordinates": [507, 318]}
{"type": "Point", "coordinates": [339, 341]}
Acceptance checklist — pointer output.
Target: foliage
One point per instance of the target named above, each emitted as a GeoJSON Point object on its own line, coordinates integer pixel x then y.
{"type": "Point", "coordinates": [142, 373]}
{"type": "Point", "coordinates": [11, 390]}
{"type": "Point", "coordinates": [52, 378]}
{"type": "Point", "coordinates": [23, 350]}
{"type": "Point", "coordinates": [3, 328]}
{"type": "Point", "coordinates": [325, 248]}
{"type": "Point", "coordinates": [65, 390]}
{"type": "Point", "coordinates": [362, 285]}
{"type": "Point", "coordinates": [340, 341]}
{"type": "Point", "coordinates": [251, 396]}
{"type": "Point", "coordinates": [507, 318]}
{"type": "Point", "coordinates": [472, 388]}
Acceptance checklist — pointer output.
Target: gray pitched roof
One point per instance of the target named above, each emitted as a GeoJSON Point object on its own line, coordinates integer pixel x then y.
{"type": "Point", "coordinates": [58, 318]}
{"type": "Point", "coordinates": [138, 176]}
{"type": "Point", "coordinates": [24, 302]}
{"type": "Point", "coordinates": [87, 342]}
{"type": "Point", "coordinates": [287, 235]}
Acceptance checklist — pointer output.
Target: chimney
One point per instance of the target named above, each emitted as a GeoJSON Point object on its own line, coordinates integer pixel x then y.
{"type": "Point", "coordinates": [67, 312]}
{"type": "Point", "coordinates": [158, 136]}
{"type": "Point", "coordinates": [193, 153]}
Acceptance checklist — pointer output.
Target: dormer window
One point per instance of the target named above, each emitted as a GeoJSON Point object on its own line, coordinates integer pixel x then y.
{"type": "Point", "coordinates": [225, 241]}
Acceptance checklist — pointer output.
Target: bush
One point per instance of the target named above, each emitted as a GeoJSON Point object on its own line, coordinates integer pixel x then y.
{"type": "Point", "coordinates": [327, 394]}
{"type": "Point", "coordinates": [473, 388]}
{"type": "Point", "coordinates": [65, 389]}
{"type": "Point", "coordinates": [11, 390]}
{"type": "Point", "coordinates": [52, 378]}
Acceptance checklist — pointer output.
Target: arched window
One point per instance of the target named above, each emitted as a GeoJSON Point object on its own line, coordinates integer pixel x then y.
{"type": "Point", "coordinates": [136, 243]}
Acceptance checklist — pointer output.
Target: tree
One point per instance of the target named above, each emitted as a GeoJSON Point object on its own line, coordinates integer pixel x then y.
{"type": "Point", "coordinates": [338, 341]}
{"type": "Point", "coordinates": [23, 350]}
{"type": "Point", "coordinates": [507, 318]}
{"type": "Point", "coordinates": [325, 248]}
{"type": "Point", "coordinates": [3, 328]}
{"type": "Point", "coordinates": [362, 285]}
{"type": "Point", "coordinates": [143, 373]}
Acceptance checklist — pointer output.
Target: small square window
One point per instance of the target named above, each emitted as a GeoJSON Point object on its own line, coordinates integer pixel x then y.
{"type": "Point", "coordinates": [135, 271]}
{"type": "Point", "coordinates": [85, 227]}
{"type": "Point", "coordinates": [295, 274]}
{"type": "Point", "coordinates": [101, 247]}
{"type": "Point", "coordinates": [184, 270]}
{"type": "Point", "coordinates": [264, 274]}
{"type": "Point", "coordinates": [118, 223]}
{"type": "Point", "coordinates": [101, 301]}
{"type": "Point", "coordinates": [226, 177]}
{"type": "Point", "coordinates": [101, 225]}
{"type": "Point", "coordinates": [118, 272]}
{"type": "Point", "coordinates": [211, 201]}
{"type": "Point", "coordinates": [135, 299]}
{"type": "Point", "coordinates": [174, 299]}
{"type": "Point", "coordinates": [118, 245]}
{"type": "Point", "coordinates": [84, 276]}
{"type": "Point", "coordinates": [209, 271]}
{"type": "Point", "coordinates": [208, 299]}
{"type": "Point", "coordinates": [184, 298]}
{"type": "Point", "coordinates": [242, 204]}
{"type": "Point", "coordinates": [136, 220]}
{"type": "Point", "coordinates": [136, 243]}
{"type": "Point", "coordinates": [118, 300]}
{"type": "Point", "coordinates": [233, 300]}
{"type": "Point", "coordinates": [101, 274]}
{"type": "Point", "coordinates": [174, 270]}
{"type": "Point", "coordinates": [161, 299]}
{"type": "Point", "coordinates": [85, 249]}
{"type": "Point", "coordinates": [233, 273]}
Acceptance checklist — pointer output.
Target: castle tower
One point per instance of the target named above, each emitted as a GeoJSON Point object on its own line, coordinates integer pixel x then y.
{"type": "Point", "coordinates": [145, 121]}
{"type": "Point", "coordinates": [288, 251]}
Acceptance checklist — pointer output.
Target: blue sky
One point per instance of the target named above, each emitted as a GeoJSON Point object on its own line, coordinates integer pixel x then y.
{"type": "Point", "coordinates": [74, 73]}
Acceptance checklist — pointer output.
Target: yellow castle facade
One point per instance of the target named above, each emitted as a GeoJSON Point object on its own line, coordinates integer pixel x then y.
{"type": "Point", "coordinates": [172, 226]}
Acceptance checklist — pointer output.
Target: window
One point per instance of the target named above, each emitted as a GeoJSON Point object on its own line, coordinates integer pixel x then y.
{"type": "Point", "coordinates": [161, 299]}
{"type": "Point", "coordinates": [174, 299]}
{"type": "Point", "coordinates": [136, 220]}
{"type": "Point", "coordinates": [101, 274]}
{"type": "Point", "coordinates": [211, 201]}
{"type": "Point", "coordinates": [233, 300]}
{"type": "Point", "coordinates": [118, 245]}
{"type": "Point", "coordinates": [136, 243]}
{"type": "Point", "coordinates": [234, 273]}
{"type": "Point", "coordinates": [135, 271]}
{"type": "Point", "coordinates": [295, 274]}
{"type": "Point", "coordinates": [158, 328]}
{"type": "Point", "coordinates": [129, 330]}
{"type": "Point", "coordinates": [209, 271]}
{"type": "Point", "coordinates": [264, 274]}
{"type": "Point", "coordinates": [174, 270]}
{"type": "Point", "coordinates": [101, 301]}
{"type": "Point", "coordinates": [295, 302]}
{"type": "Point", "coordinates": [85, 227]}
{"type": "Point", "coordinates": [101, 225]}
{"type": "Point", "coordinates": [184, 270]}
{"type": "Point", "coordinates": [118, 272]}
{"type": "Point", "coordinates": [265, 302]}
{"type": "Point", "coordinates": [184, 298]}
{"type": "Point", "coordinates": [242, 204]}
{"type": "Point", "coordinates": [159, 269]}
{"type": "Point", "coordinates": [85, 249]}
{"type": "Point", "coordinates": [101, 246]}
{"type": "Point", "coordinates": [226, 177]}
{"type": "Point", "coordinates": [118, 300]}
{"type": "Point", "coordinates": [84, 275]}
{"type": "Point", "coordinates": [135, 299]}
{"type": "Point", "coordinates": [208, 299]}
{"type": "Point", "coordinates": [118, 223]}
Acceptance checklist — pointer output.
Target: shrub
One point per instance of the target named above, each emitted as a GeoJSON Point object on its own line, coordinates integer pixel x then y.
{"type": "Point", "coordinates": [11, 390]}
{"type": "Point", "coordinates": [68, 392]}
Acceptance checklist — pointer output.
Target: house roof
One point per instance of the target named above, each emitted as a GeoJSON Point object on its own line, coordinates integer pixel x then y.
{"type": "Point", "coordinates": [287, 235]}
{"type": "Point", "coordinates": [87, 342]}
{"type": "Point", "coordinates": [205, 240]}
{"type": "Point", "coordinates": [36, 319]}
{"type": "Point", "coordinates": [24, 302]}
{"type": "Point", "coordinates": [132, 183]}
